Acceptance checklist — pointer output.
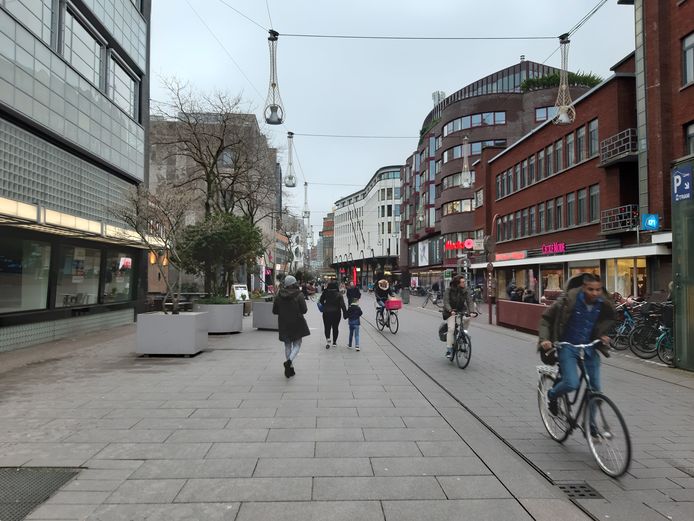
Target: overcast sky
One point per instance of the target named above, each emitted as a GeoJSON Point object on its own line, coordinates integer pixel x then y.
{"type": "Point", "coordinates": [366, 87]}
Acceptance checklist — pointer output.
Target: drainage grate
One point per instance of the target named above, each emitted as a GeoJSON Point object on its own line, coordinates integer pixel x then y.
{"type": "Point", "coordinates": [22, 489]}
{"type": "Point", "coordinates": [579, 491]}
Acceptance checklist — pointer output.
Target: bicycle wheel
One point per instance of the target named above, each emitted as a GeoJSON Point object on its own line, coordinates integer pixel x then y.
{"type": "Point", "coordinates": [557, 426]}
{"type": "Point", "coordinates": [665, 348]}
{"type": "Point", "coordinates": [380, 320]}
{"type": "Point", "coordinates": [607, 435]}
{"type": "Point", "coordinates": [642, 341]}
{"type": "Point", "coordinates": [393, 322]}
{"type": "Point", "coordinates": [464, 351]}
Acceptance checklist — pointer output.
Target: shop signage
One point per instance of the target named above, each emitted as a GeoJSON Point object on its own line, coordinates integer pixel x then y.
{"type": "Point", "coordinates": [553, 247]}
{"type": "Point", "coordinates": [650, 222]}
{"type": "Point", "coordinates": [682, 183]}
{"type": "Point", "coordinates": [467, 244]}
{"type": "Point", "coordinates": [513, 255]}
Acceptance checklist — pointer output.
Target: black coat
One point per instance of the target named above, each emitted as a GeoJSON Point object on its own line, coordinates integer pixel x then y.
{"type": "Point", "coordinates": [352, 294]}
{"type": "Point", "coordinates": [333, 301]}
{"type": "Point", "coordinates": [290, 307]}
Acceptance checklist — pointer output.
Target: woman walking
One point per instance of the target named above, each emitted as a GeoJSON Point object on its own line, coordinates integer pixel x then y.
{"type": "Point", "coordinates": [333, 310]}
{"type": "Point", "coordinates": [290, 308]}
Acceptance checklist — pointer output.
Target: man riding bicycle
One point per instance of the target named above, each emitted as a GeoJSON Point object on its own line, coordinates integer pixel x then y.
{"type": "Point", "coordinates": [579, 316]}
{"type": "Point", "coordinates": [456, 300]}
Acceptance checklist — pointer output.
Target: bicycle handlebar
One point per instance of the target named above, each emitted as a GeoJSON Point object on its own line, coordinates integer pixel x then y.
{"type": "Point", "coordinates": [591, 344]}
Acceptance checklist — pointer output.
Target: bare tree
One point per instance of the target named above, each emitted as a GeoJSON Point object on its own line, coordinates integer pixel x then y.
{"type": "Point", "coordinates": [158, 219]}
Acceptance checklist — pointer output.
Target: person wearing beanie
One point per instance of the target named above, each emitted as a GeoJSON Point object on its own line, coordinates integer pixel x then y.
{"type": "Point", "coordinates": [352, 316]}
{"type": "Point", "coordinates": [333, 309]}
{"type": "Point", "coordinates": [290, 307]}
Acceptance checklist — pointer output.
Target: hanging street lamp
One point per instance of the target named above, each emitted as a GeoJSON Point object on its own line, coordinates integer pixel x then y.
{"type": "Point", "coordinates": [566, 113]}
{"type": "Point", "coordinates": [274, 112]}
{"type": "Point", "coordinates": [290, 178]}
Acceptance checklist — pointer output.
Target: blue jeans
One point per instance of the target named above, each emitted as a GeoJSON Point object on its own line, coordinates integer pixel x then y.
{"type": "Point", "coordinates": [291, 349]}
{"type": "Point", "coordinates": [354, 332]}
{"type": "Point", "coordinates": [568, 367]}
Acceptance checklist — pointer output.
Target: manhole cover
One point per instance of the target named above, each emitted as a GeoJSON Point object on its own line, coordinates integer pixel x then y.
{"type": "Point", "coordinates": [579, 491]}
{"type": "Point", "coordinates": [22, 489]}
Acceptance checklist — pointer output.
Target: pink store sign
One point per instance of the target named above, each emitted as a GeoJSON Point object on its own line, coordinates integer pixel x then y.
{"type": "Point", "coordinates": [553, 247]}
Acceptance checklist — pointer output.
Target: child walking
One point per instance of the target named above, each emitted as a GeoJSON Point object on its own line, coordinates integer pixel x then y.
{"type": "Point", "coordinates": [352, 315]}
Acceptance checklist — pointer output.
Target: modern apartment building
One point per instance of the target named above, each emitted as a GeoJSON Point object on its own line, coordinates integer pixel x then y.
{"type": "Point", "coordinates": [74, 91]}
{"type": "Point", "coordinates": [367, 228]}
{"type": "Point", "coordinates": [439, 201]}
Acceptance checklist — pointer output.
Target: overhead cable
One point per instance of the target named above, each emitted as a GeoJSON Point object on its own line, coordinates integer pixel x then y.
{"type": "Point", "coordinates": [246, 17]}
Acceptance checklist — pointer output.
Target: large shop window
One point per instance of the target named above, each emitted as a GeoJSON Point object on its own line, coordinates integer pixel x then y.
{"type": "Point", "coordinates": [36, 15]}
{"type": "Point", "coordinates": [82, 50]}
{"type": "Point", "coordinates": [118, 281]}
{"type": "Point", "coordinates": [24, 267]}
{"type": "Point", "coordinates": [78, 278]}
{"type": "Point", "coordinates": [627, 276]}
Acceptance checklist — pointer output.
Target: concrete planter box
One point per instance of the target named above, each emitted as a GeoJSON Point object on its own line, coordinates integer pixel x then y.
{"type": "Point", "coordinates": [222, 318]}
{"type": "Point", "coordinates": [262, 315]}
{"type": "Point", "coordinates": [160, 334]}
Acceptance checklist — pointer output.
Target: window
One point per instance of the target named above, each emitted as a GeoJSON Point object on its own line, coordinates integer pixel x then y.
{"type": "Point", "coordinates": [464, 205]}
{"type": "Point", "coordinates": [540, 164]}
{"type": "Point", "coordinates": [499, 187]}
{"type": "Point", "coordinates": [390, 227]}
{"type": "Point", "coordinates": [689, 140]}
{"type": "Point", "coordinates": [570, 157]}
{"type": "Point", "coordinates": [36, 15]}
{"type": "Point", "coordinates": [389, 212]}
{"type": "Point", "coordinates": [558, 156]}
{"type": "Point", "coordinates": [396, 192]}
{"type": "Point", "coordinates": [688, 60]}
{"type": "Point", "coordinates": [389, 193]}
{"type": "Point", "coordinates": [518, 225]}
{"type": "Point", "coordinates": [531, 170]}
{"type": "Point", "coordinates": [479, 198]}
{"type": "Point", "coordinates": [531, 222]}
{"type": "Point", "coordinates": [570, 209]}
{"type": "Point", "coordinates": [24, 268]}
{"type": "Point", "coordinates": [524, 173]}
{"type": "Point", "coordinates": [82, 50]}
{"type": "Point", "coordinates": [78, 276]}
{"type": "Point", "coordinates": [549, 163]}
{"type": "Point", "coordinates": [559, 212]}
{"type": "Point", "coordinates": [580, 144]}
{"type": "Point", "coordinates": [119, 274]}
{"type": "Point", "coordinates": [518, 183]}
{"type": "Point", "coordinates": [509, 182]}
{"type": "Point", "coordinates": [582, 200]}
{"type": "Point", "coordinates": [549, 215]}
{"type": "Point", "coordinates": [123, 89]}
{"type": "Point", "coordinates": [593, 144]}
{"type": "Point", "coordinates": [594, 210]}
{"type": "Point", "coordinates": [545, 113]}
{"type": "Point", "coordinates": [524, 223]}
{"type": "Point", "coordinates": [541, 216]}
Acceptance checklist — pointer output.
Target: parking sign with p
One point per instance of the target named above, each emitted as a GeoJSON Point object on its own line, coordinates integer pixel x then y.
{"type": "Point", "coordinates": [682, 183]}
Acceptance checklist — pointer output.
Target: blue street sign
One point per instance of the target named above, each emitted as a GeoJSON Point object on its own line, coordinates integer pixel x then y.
{"type": "Point", "coordinates": [650, 222]}
{"type": "Point", "coordinates": [682, 183]}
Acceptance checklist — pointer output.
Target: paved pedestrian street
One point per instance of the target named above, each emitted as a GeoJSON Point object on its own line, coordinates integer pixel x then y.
{"type": "Point", "coordinates": [393, 432]}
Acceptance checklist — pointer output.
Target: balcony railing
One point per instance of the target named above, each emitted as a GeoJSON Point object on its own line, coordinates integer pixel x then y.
{"type": "Point", "coordinates": [620, 147]}
{"type": "Point", "coordinates": [620, 219]}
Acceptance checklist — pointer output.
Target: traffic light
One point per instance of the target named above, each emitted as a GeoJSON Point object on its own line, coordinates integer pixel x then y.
{"type": "Point", "coordinates": [635, 218]}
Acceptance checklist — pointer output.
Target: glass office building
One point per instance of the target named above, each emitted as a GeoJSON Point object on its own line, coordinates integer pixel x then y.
{"type": "Point", "coordinates": [74, 90]}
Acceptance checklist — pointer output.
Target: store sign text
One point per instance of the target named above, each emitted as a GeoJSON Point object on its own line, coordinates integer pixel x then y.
{"type": "Point", "coordinates": [513, 255]}
{"type": "Point", "coordinates": [553, 247]}
{"type": "Point", "coordinates": [467, 244]}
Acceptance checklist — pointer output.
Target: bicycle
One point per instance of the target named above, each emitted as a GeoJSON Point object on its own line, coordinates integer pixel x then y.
{"type": "Point", "coordinates": [387, 315]}
{"type": "Point", "coordinates": [620, 333]}
{"type": "Point", "coordinates": [665, 344]}
{"type": "Point", "coordinates": [597, 417]}
{"type": "Point", "coordinates": [435, 298]}
{"type": "Point", "coordinates": [462, 343]}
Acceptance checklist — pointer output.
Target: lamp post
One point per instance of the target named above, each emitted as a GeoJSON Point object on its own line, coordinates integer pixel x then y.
{"type": "Point", "coordinates": [490, 267]}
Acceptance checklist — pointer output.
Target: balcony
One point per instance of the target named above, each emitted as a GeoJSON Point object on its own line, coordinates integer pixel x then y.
{"type": "Point", "coordinates": [621, 219]}
{"type": "Point", "coordinates": [620, 148]}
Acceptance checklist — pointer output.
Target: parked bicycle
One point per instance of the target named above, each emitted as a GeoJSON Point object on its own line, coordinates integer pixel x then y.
{"type": "Point", "coordinates": [596, 416]}
{"type": "Point", "coordinates": [665, 344]}
{"type": "Point", "coordinates": [622, 329]}
{"type": "Point", "coordinates": [462, 343]}
{"type": "Point", "coordinates": [435, 298]}
{"type": "Point", "coordinates": [387, 315]}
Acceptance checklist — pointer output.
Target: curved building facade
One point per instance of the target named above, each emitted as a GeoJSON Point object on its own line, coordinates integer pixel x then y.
{"type": "Point", "coordinates": [439, 201]}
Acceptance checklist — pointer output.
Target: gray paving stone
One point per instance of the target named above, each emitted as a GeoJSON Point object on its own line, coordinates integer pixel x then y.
{"type": "Point", "coordinates": [444, 448]}
{"type": "Point", "coordinates": [415, 434]}
{"type": "Point", "coordinates": [473, 487]}
{"type": "Point", "coordinates": [119, 435]}
{"type": "Point", "coordinates": [429, 466]}
{"type": "Point", "coordinates": [155, 451]}
{"type": "Point", "coordinates": [47, 511]}
{"type": "Point", "coordinates": [149, 413]}
{"type": "Point", "coordinates": [287, 467]}
{"type": "Point", "coordinates": [398, 411]}
{"type": "Point", "coordinates": [365, 488]}
{"type": "Point", "coordinates": [675, 511]}
{"type": "Point", "coordinates": [180, 423]}
{"type": "Point", "coordinates": [175, 512]}
{"type": "Point", "coordinates": [311, 511]}
{"type": "Point", "coordinates": [316, 412]}
{"type": "Point", "coordinates": [456, 510]}
{"type": "Point", "coordinates": [365, 449]}
{"type": "Point", "coordinates": [92, 485]}
{"type": "Point", "coordinates": [218, 435]}
{"type": "Point", "coordinates": [343, 434]}
{"type": "Point", "coordinates": [79, 497]}
{"type": "Point", "coordinates": [245, 489]}
{"type": "Point", "coordinates": [355, 402]}
{"type": "Point", "coordinates": [553, 509]}
{"type": "Point", "coordinates": [258, 450]}
{"type": "Point", "coordinates": [265, 412]}
{"type": "Point", "coordinates": [301, 422]}
{"type": "Point", "coordinates": [147, 491]}
{"type": "Point", "coordinates": [425, 422]}
{"type": "Point", "coordinates": [208, 468]}
{"type": "Point", "coordinates": [360, 421]}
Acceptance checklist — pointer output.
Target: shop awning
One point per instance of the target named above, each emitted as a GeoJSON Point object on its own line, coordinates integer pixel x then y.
{"type": "Point", "coordinates": [620, 253]}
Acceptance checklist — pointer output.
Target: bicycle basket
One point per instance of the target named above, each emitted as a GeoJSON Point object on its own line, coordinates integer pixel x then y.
{"type": "Point", "coordinates": [393, 304]}
{"type": "Point", "coordinates": [667, 316]}
{"type": "Point", "coordinates": [548, 357]}
{"type": "Point", "coordinates": [443, 331]}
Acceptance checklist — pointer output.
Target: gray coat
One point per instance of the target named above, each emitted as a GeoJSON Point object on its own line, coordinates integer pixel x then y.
{"type": "Point", "coordinates": [290, 307]}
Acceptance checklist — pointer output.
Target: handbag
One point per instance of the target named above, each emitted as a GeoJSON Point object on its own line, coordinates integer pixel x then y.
{"type": "Point", "coordinates": [320, 306]}
{"type": "Point", "coordinates": [446, 314]}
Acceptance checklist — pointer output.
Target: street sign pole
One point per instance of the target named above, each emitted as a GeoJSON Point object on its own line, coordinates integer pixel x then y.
{"type": "Point", "coordinates": [490, 273]}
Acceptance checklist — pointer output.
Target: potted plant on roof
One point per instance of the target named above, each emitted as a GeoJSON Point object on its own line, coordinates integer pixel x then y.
{"type": "Point", "coordinates": [158, 220]}
{"type": "Point", "coordinates": [214, 248]}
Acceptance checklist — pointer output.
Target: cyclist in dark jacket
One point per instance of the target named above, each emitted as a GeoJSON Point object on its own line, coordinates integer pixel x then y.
{"type": "Point", "coordinates": [333, 310]}
{"type": "Point", "coordinates": [456, 300]}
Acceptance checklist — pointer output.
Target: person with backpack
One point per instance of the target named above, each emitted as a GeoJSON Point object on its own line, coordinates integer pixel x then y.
{"type": "Point", "coordinates": [579, 316]}
{"type": "Point", "coordinates": [333, 307]}
{"type": "Point", "coordinates": [352, 316]}
{"type": "Point", "coordinates": [290, 307]}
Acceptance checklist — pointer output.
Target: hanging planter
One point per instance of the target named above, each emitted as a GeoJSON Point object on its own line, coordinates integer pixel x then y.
{"type": "Point", "coordinates": [274, 112]}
